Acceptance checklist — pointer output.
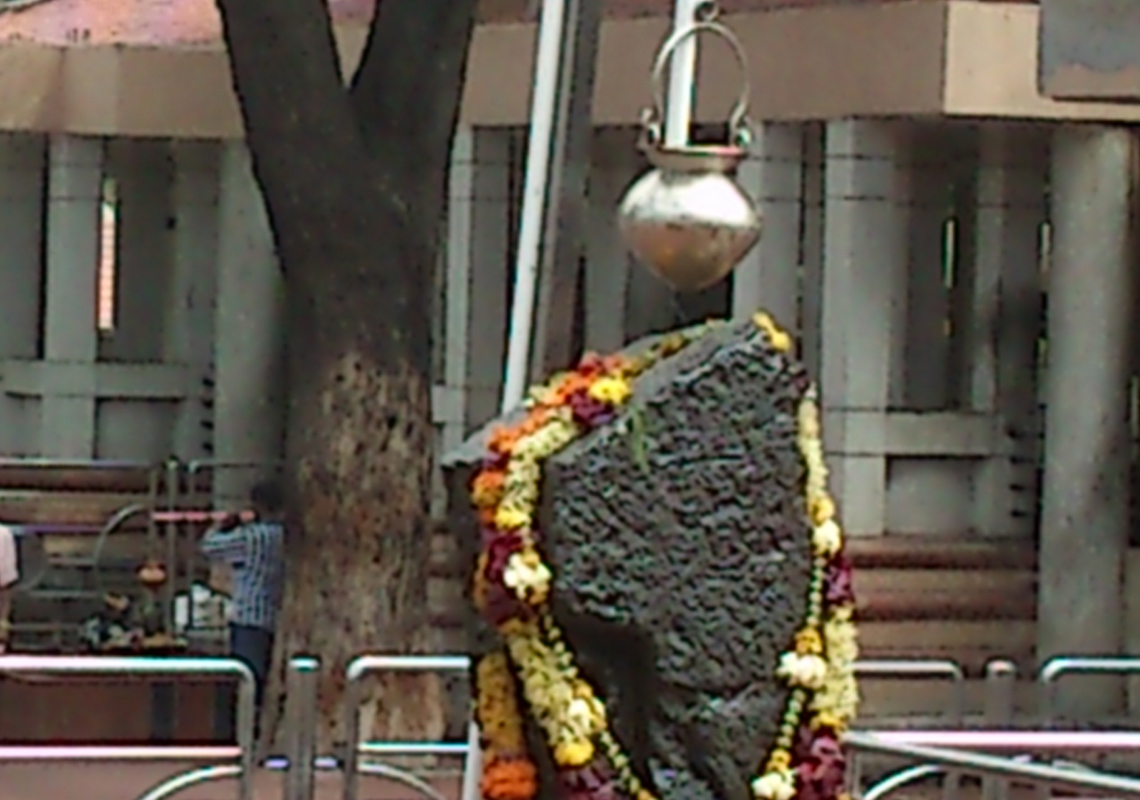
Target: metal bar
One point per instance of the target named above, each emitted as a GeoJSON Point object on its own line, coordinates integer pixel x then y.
{"type": "Point", "coordinates": [204, 515]}
{"type": "Point", "coordinates": [909, 668]}
{"type": "Point", "coordinates": [900, 779]}
{"type": "Point", "coordinates": [171, 588]}
{"type": "Point", "coordinates": [357, 669]}
{"type": "Point", "coordinates": [245, 723]}
{"type": "Point", "coordinates": [1056, 668]}
{"type": "Point", "coordinates": [543, 112]}
{"type": "Point", "coordinates": [179, 783]}
{"type": "Point", "coordinates": [366, 664]}
{"type": "Point", "coordinates": [1014, 740]}
{"type": "Point", "coordinates": [303, 677]}
{"type": "Point", "coordinates": [565, 216]}
{"type": "Point", "coordinates": [404, 777]}
{"type": "Point", "coordinates": [74, 463]}
{"type": "Point", "coordinates": [682, 75]}
{"type": "Point", "coordinates": [413, 748]}
{"type": "Point", "coordinates": [117, 753]}
{"type": "Point", "coordinates": [147, 666]}
{"type": "Point", "coordinates": [999, 708]}
{"type": "Point", "coordinates": [472, 765]}
{"type": "Point", "coordinates": [985, 765]}
{"type": "Point", "coordinates": [124, 665]}
{"type": "Point", "coordinates": [919, 669]}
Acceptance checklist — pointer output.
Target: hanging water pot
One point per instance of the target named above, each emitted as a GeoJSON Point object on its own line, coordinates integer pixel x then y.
{"type": "Point", "coordinates": [687, 219]}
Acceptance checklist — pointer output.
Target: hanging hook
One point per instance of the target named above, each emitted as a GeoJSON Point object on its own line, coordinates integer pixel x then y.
{"type": "Point", "coordinates": [739, 126]}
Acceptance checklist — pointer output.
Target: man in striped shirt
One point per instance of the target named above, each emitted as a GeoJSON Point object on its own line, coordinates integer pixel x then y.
{"type": "Point", "coordinates": [252, 547]}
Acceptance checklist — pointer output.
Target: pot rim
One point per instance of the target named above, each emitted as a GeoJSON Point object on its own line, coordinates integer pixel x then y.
{"type": "Point", "coordinates": [718, 158]}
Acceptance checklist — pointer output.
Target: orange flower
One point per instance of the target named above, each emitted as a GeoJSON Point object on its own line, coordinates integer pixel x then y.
{"type": "Point", "coordinates": [502, 439]}
{"type": "Point", "coordinates": [568, 385]}
{"type": "Point", "coordinates": [510, 779]}
{"type": "Point", "coordinates": [486, 517]}
{"type": "Point", "coordinates": [591, 365]}
{"type": "Point", "coordinates": [487, 488]}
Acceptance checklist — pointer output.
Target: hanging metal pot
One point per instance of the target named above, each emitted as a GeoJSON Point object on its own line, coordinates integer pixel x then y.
{"type": "Point", "coordinates": [687, 219]}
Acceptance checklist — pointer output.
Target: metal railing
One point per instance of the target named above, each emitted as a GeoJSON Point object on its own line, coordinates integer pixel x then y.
{"type": "Point", "coordinates": [1003, 754]}
{"type": "Point", "coordinates": [241, 756]}
{"type": "Point", "coordinates": [911, 670]}
{"type": "Point", "coordinates": [1044, 776]}
{"type": "Point", "coordinates": [355, 748]}
{"type": "Point", "coordinates": [1057, 668]}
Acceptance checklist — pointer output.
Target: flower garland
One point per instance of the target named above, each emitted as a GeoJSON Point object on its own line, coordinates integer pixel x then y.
{"type": "Point", "coordinates": [512, 591]}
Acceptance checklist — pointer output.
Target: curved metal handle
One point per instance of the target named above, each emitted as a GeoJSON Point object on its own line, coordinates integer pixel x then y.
{"type": "Point", "coordinates": [738, 125]}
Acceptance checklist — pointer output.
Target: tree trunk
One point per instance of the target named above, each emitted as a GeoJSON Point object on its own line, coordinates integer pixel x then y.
{"type": "Point", "coordinates": [355, 186]}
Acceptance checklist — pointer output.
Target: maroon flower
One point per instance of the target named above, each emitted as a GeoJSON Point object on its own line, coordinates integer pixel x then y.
{"type": "Point", "coordinates": [821, 765]}
{"type": "Point", "coordinates": [499, 552]}
{"type": "Point", "coordinates": [838, 589]}
{"type": "Point", "coordinates": [592, 782]}
{"type": "Point", "coordinates": [501, 604]}
{"type": "Point", "coordinates": [495, 460]}
{"type": "Point", "coordinates": [589, 412]}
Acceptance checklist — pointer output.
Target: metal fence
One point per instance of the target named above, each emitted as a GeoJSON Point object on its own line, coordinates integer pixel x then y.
{"type": "Point", "coordinates": [994, 752]}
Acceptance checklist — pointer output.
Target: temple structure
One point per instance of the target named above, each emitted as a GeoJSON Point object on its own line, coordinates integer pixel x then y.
{"type": "Point", "coordinates": [923, 201]}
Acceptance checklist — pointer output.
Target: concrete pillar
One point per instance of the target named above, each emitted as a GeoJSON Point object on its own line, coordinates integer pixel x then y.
{"type": "Point", "coordinates": [143, 174]}
{"type": "Point", "coordinates": [478, 277]}
{"type": "Point", "coordinates": [921, 378]}
{"type": "Point", "coordinates": [248, 334]}
{"type": "Point", "coordinates": [67, 422]}
{"type": "Point", "coordinates": [1004, 320]}
{"type": "Point", "coordinates": [769, 277]}
{"type": "Point", "coordinates": [22, 163]}
{"type": "Point", "coordinates": [189, 329]}
{"type": "Point", "coordinates": [608, 263]}
{"type": "Point", "coordinates": [1085, 508]}
{"type": "Point", "coordinates": [865, 244]}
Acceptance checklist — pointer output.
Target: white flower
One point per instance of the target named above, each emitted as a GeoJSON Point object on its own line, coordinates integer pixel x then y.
{"type": "Point", "coordinates": [810, 672]}
{"type": "Point", "coordinates": [526, 575]}
{"type": "Point", "coordinates": [827, 538]}
{"type": "Point", "coordinates": [775, 786]}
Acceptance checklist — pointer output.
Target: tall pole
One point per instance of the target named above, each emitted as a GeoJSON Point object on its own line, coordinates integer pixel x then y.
{"type": "Point", "coordinates": [544, 104]}
{"type": "Point", "coordinates": [567, 41]}
{"type": "Point", "coordinates": [682, 74]}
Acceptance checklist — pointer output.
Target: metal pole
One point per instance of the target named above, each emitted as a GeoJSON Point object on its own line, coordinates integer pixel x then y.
{"type": "Point", "coordinates": [544, 103]}
{"type": "Point", "coordinates": [918, 669]}
{"type": "Point", "coordinates": [997, 767]}
{"type": "Point", "coordinates": [171, 589]}
{"type": "Point", "coordinates": [304, 674]}
{"type": "Point", "coordinates": [682, 74]}
{"type": "Point", "coordinates": [358, 669]}
{"type": "Point", "coordinates": [1000, 683]}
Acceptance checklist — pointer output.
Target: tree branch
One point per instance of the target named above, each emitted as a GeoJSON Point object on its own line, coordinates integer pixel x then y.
{"type": "Point", "coordinates": [286, 74]}
{"type": "Point", "coordinates": [414, 100]}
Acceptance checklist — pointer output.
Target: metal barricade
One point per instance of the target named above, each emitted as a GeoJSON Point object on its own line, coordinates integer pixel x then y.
{"type": "Point", "coordinates": [918, 669]}
{"type": "Point", "coordinates": [1056, 668]}
{"type": "Point", "coordinates": [983, 765]}
{"type": "Point", "coordinates": [354, 749]}
{"type": "Point", "coordinates": [241, 755]}
{"type": "Point", "coordinates": [302, 687]}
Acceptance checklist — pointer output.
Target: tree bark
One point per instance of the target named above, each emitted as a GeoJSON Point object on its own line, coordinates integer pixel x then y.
{"type": "Point", "coordinates": [354, 181]}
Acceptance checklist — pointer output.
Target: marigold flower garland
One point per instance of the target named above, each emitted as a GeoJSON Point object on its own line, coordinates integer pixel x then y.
{"type": "Point", "coordinates": [512, 590]}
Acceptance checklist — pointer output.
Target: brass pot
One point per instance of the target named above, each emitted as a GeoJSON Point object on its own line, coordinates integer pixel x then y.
{"type": "Point", "coordinates": [687, 219]}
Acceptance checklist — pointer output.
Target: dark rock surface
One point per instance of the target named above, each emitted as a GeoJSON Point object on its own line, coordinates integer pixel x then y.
{"type": "Point", "coordinates": [681, 552]}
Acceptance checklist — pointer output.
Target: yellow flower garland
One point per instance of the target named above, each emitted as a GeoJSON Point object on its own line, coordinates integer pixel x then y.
{"type": "Point", "coordinates": [819, 666]}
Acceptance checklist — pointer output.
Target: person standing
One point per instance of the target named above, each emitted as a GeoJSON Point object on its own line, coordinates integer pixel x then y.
{"type": "Point", "coordinates": [252, 546]}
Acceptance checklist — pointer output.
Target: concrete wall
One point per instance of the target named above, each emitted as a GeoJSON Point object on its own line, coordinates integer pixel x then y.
{"type": "Point", "coordinates": [906, 254]}
{"type": "Point", "coordinates": [196, 303]}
